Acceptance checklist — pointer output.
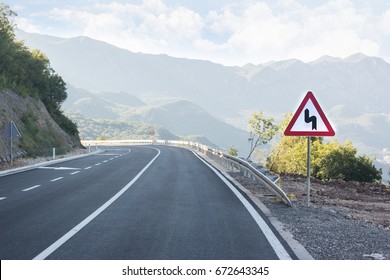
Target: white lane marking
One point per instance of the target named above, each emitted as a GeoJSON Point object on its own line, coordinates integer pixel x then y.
{"type": "Point", "coordinates": [105, 155]}
{"type": "Point", "coordinates": [272, 239]}
{"type": "Point", "coordinates": [105, 161]}
{"type": "Point", "coordinates": [73, 173]}
{"type": "Point", "coordinates": [56, 179]}
{"type": "Point", "coordinates": [31, 188]}
{"type": "Point", "coordinates": [112, 154]}
{"type": "Point", "coordinates": [58, 168]}
{"type": "Point", "coordinates": [111, 158]}
{"type": "Point", "coordinates": [2, 198]}
{"type": "Point", "coordinates": [53, 247]}
{"type": "Point", "coordinates": [97, 164]}
{"type": "Point", "coordinates": [89, 167]}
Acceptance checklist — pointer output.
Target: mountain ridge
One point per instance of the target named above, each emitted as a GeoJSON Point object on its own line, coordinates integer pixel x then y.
{"type": "Point", "coordinates": [354, 88]}
{"type": "Point", "coordinates": [181, 117]}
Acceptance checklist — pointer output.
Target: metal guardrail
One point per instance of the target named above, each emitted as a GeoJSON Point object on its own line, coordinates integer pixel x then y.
{"type": "Point", "coordinates": [235, 162]}
{"type": "Point", "coordinates": [227, 160]}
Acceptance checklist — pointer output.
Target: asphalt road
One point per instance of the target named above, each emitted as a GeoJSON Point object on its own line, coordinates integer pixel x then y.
{"type": "Point", "coordinates": [136, 202]}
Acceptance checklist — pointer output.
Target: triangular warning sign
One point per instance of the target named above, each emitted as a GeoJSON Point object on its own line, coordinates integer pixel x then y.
{"type": "Point", "coordinates": [309, 120]}
{"type": "Point", "coordinates": [11, 131]}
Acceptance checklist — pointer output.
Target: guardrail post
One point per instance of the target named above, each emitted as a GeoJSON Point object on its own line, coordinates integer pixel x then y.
{"type": "Point", "coordinates": [54, 153]}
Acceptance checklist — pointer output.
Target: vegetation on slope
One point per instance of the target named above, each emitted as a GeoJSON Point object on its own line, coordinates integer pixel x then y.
{"type": "Point", "coordinates": [103, 129]}
{"type": "Point", "coordinates": [28, 72]}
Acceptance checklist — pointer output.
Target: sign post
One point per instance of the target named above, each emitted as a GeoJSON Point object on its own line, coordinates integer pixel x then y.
{"type": "Point", "coordinates": [10, 132]}
{"type": "Point", "coordinates": [309, 120]}
{"type": "Point", "coordinates": [308, 170]}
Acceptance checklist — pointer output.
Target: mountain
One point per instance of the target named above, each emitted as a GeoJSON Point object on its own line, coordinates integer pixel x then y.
{"type": "Point", "coordinates": [181, 117]}
{"type": "Point", "coordinates": [97, 66]}
{"type": "Point", "coordinates": [354, 91]}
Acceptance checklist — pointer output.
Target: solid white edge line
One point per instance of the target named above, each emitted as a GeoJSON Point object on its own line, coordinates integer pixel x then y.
{"type": "Point", "coordinates": [31, 188]}
{"type": "Point", "coordinates": [272, 239]}
{"type": "Point", "coordinates": [47, 252]}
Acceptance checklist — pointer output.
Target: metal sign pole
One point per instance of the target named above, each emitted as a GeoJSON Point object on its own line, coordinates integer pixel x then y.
{"type": "Point", "coordinates": [308, 171]}
{"type": "Point", "coordinates": [11, 140]}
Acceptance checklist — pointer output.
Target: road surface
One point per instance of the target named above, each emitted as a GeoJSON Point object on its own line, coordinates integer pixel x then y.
{"type": "Point", "coordinates": [135, 202]}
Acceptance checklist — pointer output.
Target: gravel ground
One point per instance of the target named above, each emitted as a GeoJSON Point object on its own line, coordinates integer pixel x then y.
{"type": "Point", "coordinates": [346, 220]}
{"type": "Point", "coordinates": [327, 234]}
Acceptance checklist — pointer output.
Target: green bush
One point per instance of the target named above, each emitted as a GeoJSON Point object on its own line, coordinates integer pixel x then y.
{"type": "Point", "coordinates": [328, 160]}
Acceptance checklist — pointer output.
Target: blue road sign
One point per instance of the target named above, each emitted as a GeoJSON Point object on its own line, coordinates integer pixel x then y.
{"type": "Point", "coordinates": [11, 131]}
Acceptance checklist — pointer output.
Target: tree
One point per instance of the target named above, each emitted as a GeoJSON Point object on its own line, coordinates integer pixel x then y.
{"type": "Point", "coordinates": [233, 151]}
{"type": "Point", "coordinates": [329, 160]}
{"type": "Point", "coordinates": [101, 137]}
{"type": "Point", "coordinates": [6, 22]}
{"type": "Point", "coordinates": [262, 130]}
{"type": "Point", "coordinates": [341, 162]}
{"type": "Point", "coordinates": [388, 181]}
{"type": "Point", "coordinates": [6, 41]}
{"type": "Point", "coordinates": [28, 72]}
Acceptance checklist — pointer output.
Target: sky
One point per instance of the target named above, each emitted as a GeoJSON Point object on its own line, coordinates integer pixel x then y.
{"type": "Point", "coordinates": [230, 32]}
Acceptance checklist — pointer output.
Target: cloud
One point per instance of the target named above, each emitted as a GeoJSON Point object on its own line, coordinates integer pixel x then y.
{"type": "Point", "coordinates": [26, 25]}
{"type": "Point", "coordinates": [236, 33]}
{"type": "Point", "coordinates": [260, 33]}
{"type": "Point", "coordinates": [148, 27]}
{"type": "Point", "coordinates": [384, 22]}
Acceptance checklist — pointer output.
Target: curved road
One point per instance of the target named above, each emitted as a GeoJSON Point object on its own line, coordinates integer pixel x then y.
{"type": "Point", "coordinates": [152, 202]}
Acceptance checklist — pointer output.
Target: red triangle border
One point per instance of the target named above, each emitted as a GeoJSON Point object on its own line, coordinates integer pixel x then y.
{"type": "Point", "coordinates": [310, 96]}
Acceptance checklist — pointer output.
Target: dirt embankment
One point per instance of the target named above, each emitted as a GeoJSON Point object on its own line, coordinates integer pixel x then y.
{"type": "Point", "coordinates": [369, 202]}
{"type": "Point", "coordinates": [40, 133]}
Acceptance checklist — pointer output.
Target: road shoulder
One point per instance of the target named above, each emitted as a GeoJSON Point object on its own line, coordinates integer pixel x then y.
{"type": "Point", "coordinates": [296, 247]}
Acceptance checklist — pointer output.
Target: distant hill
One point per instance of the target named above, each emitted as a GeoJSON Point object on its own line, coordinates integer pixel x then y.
{"type": "Point", "coordinates": [91, 129]}
{"type": "Point", "coordinates": [182, 118]}
{"type": "Point", "coordinates": [354, 92]}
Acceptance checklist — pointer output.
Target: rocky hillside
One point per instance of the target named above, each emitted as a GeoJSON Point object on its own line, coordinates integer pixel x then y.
{"type": "Point", "coordinates": [40, 133]}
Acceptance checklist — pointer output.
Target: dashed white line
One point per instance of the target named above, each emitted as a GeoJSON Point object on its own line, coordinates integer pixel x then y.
{"type": "Point", "coordinates": [31, 188]}
{"type": "Point", "coordinates": [53, 247]}
{"type": "Point", "coordinates": [89, 167]}
{"type": "Point", "coordinates": [73, 173]}
{"type": "Point", "coordinates": [97, 164]}
{"type": "Point", "coordinates": [1, 198]}
{"type": "Point", "coordinates": [56, 179]}
{"type": "Point", "coordinates": [58, 168]}
{"type": "Point", "coordinates": [105, 161]}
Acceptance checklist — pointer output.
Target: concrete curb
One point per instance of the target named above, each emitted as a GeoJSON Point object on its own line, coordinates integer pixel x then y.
{"type": "Point", "coordinates": [44, 163]}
